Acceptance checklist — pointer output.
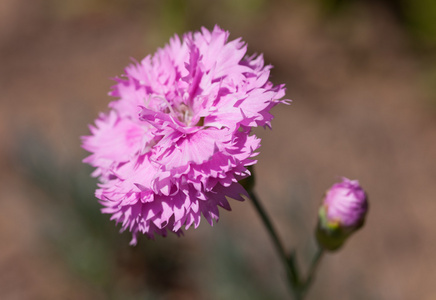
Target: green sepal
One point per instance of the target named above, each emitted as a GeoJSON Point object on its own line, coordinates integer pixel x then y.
{"type": "Point", "coordinates": [330, 235]}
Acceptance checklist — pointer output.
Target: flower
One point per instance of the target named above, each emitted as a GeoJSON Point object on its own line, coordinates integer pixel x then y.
{"type": "Point", "coordinates": [343, 212]}
{"type": "Point", "coordinates": [178, 138]}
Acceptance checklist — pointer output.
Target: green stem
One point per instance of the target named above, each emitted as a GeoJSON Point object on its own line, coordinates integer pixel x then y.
{"type": "Point", "coordinates": [288, 262]}
{"type": "Point", "coordinates": [298, 286]}
{"type": "Point", "coordinates": [313, 267]}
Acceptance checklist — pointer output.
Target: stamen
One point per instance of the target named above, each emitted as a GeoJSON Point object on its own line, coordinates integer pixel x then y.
{"type": "Point", "coordinates": [167, 103]}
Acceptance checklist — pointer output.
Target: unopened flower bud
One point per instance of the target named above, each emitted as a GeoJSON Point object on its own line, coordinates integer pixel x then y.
{"type": "Point", "coordinates": [343, 212]}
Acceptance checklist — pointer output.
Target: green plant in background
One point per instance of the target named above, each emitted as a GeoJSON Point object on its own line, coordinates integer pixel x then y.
{"type": "Point", "coordinates": [418, 17]}
{"type": "Point", "coordinates": [421, 19]}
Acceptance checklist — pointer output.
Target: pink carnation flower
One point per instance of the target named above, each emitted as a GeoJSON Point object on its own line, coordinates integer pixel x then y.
{"type": "Point", "coordinates": [177, 139]}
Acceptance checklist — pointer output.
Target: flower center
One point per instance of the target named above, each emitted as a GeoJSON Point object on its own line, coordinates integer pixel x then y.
{"type": "Point", "coordinates": [184, 114]}
{"type": "Point", "coordinates": [179, 111]}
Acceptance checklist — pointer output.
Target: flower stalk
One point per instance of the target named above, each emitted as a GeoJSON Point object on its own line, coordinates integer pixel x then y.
{"type": "Point", "coordinates": [297, 285]}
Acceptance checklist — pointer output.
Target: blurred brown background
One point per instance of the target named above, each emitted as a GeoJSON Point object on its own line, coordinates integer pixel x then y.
{"type": "Point", "coordinates": [362, 75]}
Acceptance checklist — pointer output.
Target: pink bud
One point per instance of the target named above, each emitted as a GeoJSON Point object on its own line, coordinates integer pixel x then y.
{"type": "Point", "coordinates": [346, 203]}
{"type": "Point", "coordinates": [343, 211]}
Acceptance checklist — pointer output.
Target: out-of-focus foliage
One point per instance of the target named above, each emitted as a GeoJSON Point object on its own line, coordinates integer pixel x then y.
{"type": "Point", "coordinates": [421, 19]}
{"type": "Point", "coordinates": [418, 17]}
